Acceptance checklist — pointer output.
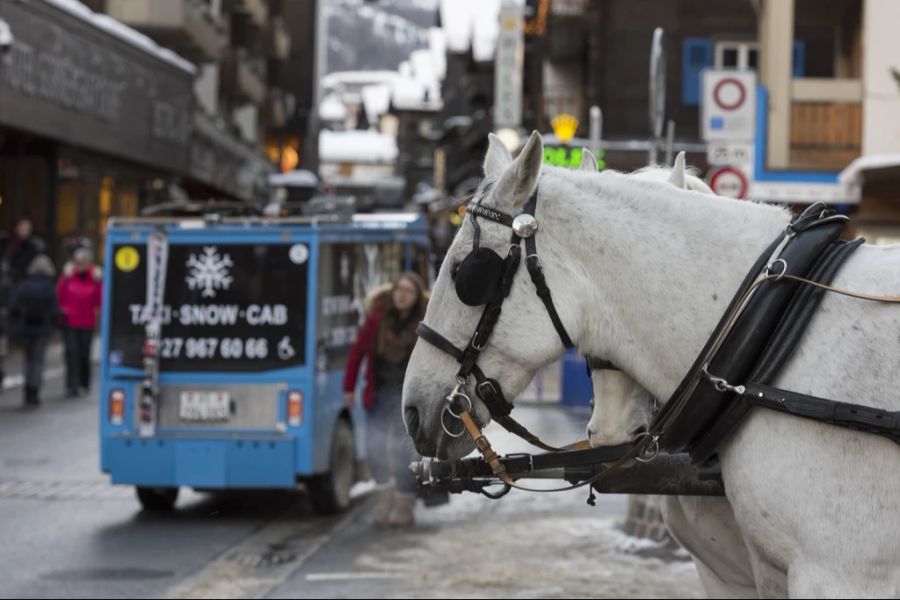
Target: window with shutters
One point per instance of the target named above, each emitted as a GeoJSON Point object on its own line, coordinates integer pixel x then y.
{"type": "Point", "coordinates": [739, 55]}
{"type": "Point", "coordinates": [696, 55]}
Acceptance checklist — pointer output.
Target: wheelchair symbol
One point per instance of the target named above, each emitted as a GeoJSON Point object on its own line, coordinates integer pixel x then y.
{"type": "Point", "coordinates": [285, 349]}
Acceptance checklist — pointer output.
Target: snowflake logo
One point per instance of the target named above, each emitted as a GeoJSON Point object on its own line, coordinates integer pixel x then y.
{"type": "Point", "coordinates": [209, 271]}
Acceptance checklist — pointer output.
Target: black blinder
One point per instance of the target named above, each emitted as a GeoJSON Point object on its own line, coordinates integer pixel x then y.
{"type": "Point", "coordinates": [478, 277]}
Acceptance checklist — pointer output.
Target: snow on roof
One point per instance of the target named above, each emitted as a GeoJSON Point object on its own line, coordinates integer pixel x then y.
{"type": "Point", "coordinates": [430, 5]}
{"type": "Point", "coordinates": [423, 65]}
{"type": "Point", "coordinates": [471, 24]}
{"type": "Point", "coordinates": [414, 94]}
{"type": "Point", "coordinates": [391, 27]}
{"type": "Point", "coordinates": [456, 20]}
{"type": "Point", "coordinates": [376, 99]}
{"type": "Point", "coordinates": [124, 33]}
{"type": "Point", "coordinates": [418, 86]}
{"type": "Point", "coordinates": [332, 108]}
{"type": "Point", "coordinates": [299, 177]}
{"type": "Point", "coordinates": [357, 78]}
{"type": "Point", "coordinates": [437, 45]}
{"type": "Point", "coordinates": [854, 174]}
{"type": "Point", "coordinates": [356, 146]}
{"type": "Point", "coordinates": [486, 30]}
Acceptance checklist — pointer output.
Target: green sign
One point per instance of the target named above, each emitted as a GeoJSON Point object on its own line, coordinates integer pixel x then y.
{"type": "Point", "coordinates": [569, 157]}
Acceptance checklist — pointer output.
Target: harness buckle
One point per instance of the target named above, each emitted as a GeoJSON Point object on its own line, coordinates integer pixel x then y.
{"type": "Point", "coordinates": [651, 450]}
{"type": "Point", "coordinates": [770, 266]}
{"type": "Point", "coordinates": [722, 384]}
{"type": "Point", "coordinates": [474, 342]}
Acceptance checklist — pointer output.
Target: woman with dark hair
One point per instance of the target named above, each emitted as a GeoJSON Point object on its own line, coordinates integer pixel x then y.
{"type": "Point", "coordinates": [386, 341]}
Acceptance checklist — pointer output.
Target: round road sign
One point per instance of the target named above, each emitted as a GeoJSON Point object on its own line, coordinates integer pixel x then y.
{"type": "Point", "coordinates": [729, 94]}
{"type": "Point", "coordinates": [729, 182]}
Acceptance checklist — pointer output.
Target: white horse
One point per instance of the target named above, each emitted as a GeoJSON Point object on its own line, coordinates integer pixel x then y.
{"type": "Point", "coordinates": [620, 408]}
{"type": "Point", "coordinates": [640, 273]}
{"type": "Point", "coordinates": [627, 408]}
{"type": "Point", "coordinates": [704, 526]}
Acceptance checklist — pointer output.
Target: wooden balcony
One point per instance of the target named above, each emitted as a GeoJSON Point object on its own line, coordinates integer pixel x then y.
{"type": "Point", "coordinates": [187, 26]}
{"type": "Point", "coordinates": [243, 76]}
{"type": "Point", "coordinates": [825, 135]}
{"type": "Point", "coordinates": [826, 124]}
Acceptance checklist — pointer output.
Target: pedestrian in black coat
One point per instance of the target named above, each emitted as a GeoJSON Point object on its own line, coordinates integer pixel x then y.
{"type": "Point", "coordinates": [33, 314]}
{"type": "Point", "coordinates": [20, 250]}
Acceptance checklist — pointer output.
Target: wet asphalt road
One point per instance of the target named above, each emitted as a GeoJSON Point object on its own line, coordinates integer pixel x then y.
{"type": "Point", "coordinates": [68, 533]}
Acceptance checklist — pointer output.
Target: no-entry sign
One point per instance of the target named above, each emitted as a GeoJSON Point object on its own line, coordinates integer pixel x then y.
{"type": "Point", "coordinates": [729, 94]}
{"type": "Point", "coordinates": [730, 182]}
{"type": "Point", "coordinates": [729, 106]}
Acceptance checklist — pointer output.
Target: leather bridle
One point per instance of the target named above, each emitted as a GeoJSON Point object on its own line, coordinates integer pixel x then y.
{"type": "Point", "coordinates": [524, 226]}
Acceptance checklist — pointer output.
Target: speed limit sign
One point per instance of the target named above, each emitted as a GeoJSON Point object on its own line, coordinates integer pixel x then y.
{"type": "Point", "coordinates": [730, 182]}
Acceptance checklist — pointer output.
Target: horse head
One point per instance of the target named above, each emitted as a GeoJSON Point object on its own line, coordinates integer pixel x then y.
{"type": "Point", "coordinates": [523, 337]}
{"type": "Point", "coordinates": [621, 409]}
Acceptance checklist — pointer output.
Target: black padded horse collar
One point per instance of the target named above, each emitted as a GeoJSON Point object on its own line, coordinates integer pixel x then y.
{"type": "Point", "coordinates": [754, 340]}
{"type": "Point", "coordinates": [483, 279]}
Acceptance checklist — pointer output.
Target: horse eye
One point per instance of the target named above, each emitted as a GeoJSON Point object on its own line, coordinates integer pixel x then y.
{"type": "Point", "coordinates": [453, 271]}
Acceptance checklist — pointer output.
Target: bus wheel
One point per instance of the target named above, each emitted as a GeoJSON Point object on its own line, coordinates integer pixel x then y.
{"type": "Point", "coordinates": [157, 498]}
{"type": "Point", "coordinates": [330, 492]}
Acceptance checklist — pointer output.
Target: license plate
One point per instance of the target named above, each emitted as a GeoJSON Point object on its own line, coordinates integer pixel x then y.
{"type": "Point", "coordinates": [204, 406]}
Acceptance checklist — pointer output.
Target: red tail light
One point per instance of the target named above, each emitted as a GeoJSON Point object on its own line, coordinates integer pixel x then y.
{"type": "Point", "coordinates": [295, 408]}
{"type": "Point", "coordinates": [116, 407]}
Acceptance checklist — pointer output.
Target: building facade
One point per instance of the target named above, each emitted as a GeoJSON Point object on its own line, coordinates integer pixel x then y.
{"type": "Point", "coordinates": [106, 104]}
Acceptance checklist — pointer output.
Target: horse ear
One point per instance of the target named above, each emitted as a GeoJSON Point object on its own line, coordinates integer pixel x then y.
{"type": "Point", "coordinates": [588, 161]}
{"type": "Point", "coordinates": [520, 179]}
{"type": "Point", "coordinates": [497, 158]}
{"type": "Point", "coordinates": [677, 178]}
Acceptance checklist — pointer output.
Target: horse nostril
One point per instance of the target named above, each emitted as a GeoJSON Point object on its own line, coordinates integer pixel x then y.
{"type": "Point", "coordinates": [411, 416]}
{"type": "Point", "coordinates": [639, 431]}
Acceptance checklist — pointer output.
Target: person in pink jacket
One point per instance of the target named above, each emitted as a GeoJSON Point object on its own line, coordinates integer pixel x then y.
{"type": "Point", "coordinates": [79, 291]}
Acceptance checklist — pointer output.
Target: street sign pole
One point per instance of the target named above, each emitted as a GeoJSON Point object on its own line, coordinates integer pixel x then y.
{"type": "Point", "coordinates": [596, 129]}
{"type": "Point", "coordinates": [670, 140]}
{"type": "Point", "coordinates": [509, 63]}
{"type": "Point", "coordinates": [657, 106]}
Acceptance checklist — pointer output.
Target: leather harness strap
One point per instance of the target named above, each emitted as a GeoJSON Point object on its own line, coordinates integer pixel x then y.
{"type": "Point", "coordinates": [489, 390]}
{"type": "Point", "coordinates": [500, 472]}
{"type": "Point", "coordinates": [843, 292]}
{"type": "Point", "coordinates": [535, 269]}
{"type": "Point", "coordinates": [852, 416]}
{"type": "Point", "coordinates": [755, 338]}
{"type": "Point", "coordinates": [489, 394]}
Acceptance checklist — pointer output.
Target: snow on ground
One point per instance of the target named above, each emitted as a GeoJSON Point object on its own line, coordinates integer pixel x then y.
{"type": "Point", "coordinates": [529, 545]}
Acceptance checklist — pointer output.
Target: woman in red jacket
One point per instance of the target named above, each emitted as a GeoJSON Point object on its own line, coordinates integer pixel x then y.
{"type": "Point", "coordinates": [386, 341]}
{"type": "Point", "coordinates": [79, 291]}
